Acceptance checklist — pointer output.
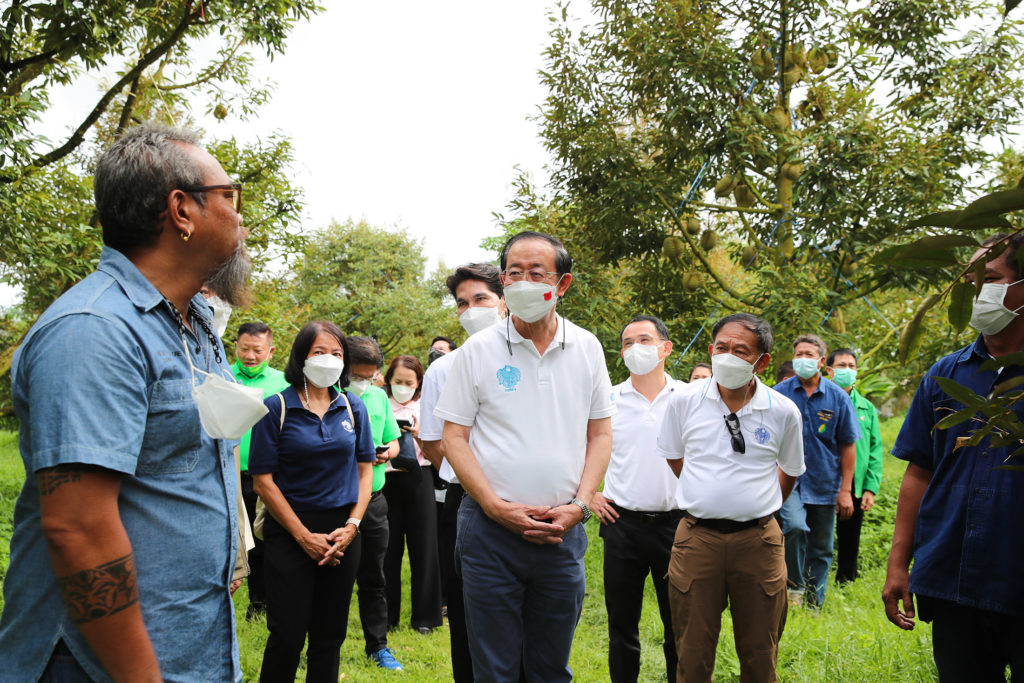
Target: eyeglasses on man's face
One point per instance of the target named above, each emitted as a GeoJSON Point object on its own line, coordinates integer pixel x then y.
{"type": "Point", "coordinates": [233, 190]}
{"type": "Point", "coordinates": [732, 423]}
{"type": "Point", "coordinates": [534, 275]}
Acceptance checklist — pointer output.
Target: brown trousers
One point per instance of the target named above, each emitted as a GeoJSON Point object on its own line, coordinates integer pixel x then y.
{"type": "Point", "coordinates": [747, 571]}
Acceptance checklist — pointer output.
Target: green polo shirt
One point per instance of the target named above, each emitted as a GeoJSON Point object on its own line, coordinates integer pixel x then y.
{"type": "Point", "coordinates": [382, 424]}
{"type": "Point", "coordinates": [270, 381]}
{"type": "Point", "coordinates": [868, 474]}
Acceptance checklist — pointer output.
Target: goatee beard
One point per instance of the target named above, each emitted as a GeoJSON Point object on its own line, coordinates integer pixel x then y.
{"type": "Point", "coordinates": [230, 280]}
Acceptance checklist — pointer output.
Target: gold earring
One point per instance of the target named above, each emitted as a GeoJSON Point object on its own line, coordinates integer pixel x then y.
{"type": "Point", "coordinates": [185, 236]}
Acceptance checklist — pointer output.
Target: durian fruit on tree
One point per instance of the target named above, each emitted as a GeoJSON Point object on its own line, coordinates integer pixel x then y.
{"type": "Point", "coordinates": [672, 247]}
{"type": "Point", "coordinates": [708, 240]}
{"type": "Point", "coordinates": [836, 322]}
{"type": "Point", "coordinates": [725, 186]}
{"type": "Point", "coordinates": [691, 281]}
{"type": "Point", "coordinates": [693, 225]}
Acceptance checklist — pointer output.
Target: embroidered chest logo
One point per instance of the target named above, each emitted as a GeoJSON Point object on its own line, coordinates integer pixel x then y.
{"type": "Point", "coordinates": [762, 435]}
{"type": "Point", "coordinates": [347, 425]}
{"type": "Point", "coordinates": [508, 378]}
{"type": "Point", "coordinates": [825, 416]}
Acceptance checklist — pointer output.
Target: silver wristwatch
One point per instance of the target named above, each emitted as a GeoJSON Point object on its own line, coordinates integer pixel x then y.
{"type": "Point", "coordinates": [587, 512]}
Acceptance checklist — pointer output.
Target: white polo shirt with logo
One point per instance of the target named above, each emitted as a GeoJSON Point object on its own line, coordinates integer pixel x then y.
{"type": "Point", "coordinates": [638, 478]}
{"type": "Point", "coordinates": [716, 482]}
{"type": "Point", "coordinates": [529, 413]}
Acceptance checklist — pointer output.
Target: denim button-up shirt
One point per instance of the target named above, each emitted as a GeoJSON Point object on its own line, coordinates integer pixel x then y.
{"type": "Point", "coordinates": [102, 379]}
{"type": "Point", "coordinates": [969, 536]}
{"type": "Point", "coordinates": [829, 421]}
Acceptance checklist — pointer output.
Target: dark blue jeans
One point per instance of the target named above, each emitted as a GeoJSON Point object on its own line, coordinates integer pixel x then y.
{"type": "Point", "coordinates": [523, 600]}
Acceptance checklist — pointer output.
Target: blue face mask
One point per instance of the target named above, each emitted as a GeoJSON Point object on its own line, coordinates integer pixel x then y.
{"type": "Point", "coordinates": [845, 377]}
{"type": "Point", "coordinates": [805, 367]}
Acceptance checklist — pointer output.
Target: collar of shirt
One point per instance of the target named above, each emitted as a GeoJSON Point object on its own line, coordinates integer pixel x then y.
{"type": "Point", "coordinates": [510, 332]}
{"type": "Point", "coordinates": [760, 400]}
{"type": "Point", "coordinates": [628, 388]}
{"type": "Point", "coordinates": [137, 288]}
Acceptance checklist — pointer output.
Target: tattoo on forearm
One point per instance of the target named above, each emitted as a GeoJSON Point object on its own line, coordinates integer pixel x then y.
{"type": "Point", "coordinates": [51, 480]}
{"type": "Point", "coordinates": [100, 591]}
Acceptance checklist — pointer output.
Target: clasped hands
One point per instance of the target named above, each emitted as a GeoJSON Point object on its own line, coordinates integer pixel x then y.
{"type": "Point", "coordinates": [540, 524]}
{"type": "Point", "coordinates": [327, 549]}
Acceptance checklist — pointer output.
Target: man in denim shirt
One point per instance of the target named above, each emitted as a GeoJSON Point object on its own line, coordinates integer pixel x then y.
{"type": "Point", "coordinates": [830, 432]}
{"type": "Point", "coordinates": [124, 533]}
{"type": "Point", "coordinates": [960, 517]}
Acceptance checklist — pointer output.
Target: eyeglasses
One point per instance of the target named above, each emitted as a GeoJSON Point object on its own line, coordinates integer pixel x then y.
{"type": "Point", "coordinates": [233, 189]}
{"type": "Point", "coordinates": [516, 275]}
{"type": "Point", "coordinates": [732, 423]}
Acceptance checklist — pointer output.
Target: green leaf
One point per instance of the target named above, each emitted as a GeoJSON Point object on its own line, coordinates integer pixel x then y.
{"type": "Point", "coordinates": [993, 205]}
{"type": "Point", "coordinates": [961, 303]}
{"type": "Point", "coordinates": [932, 251]}
{"type": "Point", "coordinates": [952, 219]}
{"type": "Point", "coordinates": [1003, 387]}
{"type": "Point", "coordinates": [954, 419]}
{"type": "Point", "coordinates": [913, 333]}
{"type": "Point", "coordinates": [959, 392]}
{"type": "Point", "coordinates": [1004, 361]}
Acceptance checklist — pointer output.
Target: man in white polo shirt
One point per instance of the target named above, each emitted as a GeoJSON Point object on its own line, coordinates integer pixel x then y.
{"type": "Point", "coordinates": [637, 508]}
{"type": "Point", "coordinates": [479, 304]}
{"type": "Point", "coordinates": [527, 409]}
{"type": "Point", "coordinates": [737, 448]}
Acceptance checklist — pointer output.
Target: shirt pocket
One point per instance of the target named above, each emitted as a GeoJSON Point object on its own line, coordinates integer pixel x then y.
{"type": "Point", "coordinates": [173, 432]}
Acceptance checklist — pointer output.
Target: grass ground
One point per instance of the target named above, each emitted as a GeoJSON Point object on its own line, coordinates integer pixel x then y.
{"type": "Point", "coordinates": [850, 639]}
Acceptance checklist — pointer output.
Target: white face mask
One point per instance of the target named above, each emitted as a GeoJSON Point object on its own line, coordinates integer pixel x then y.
{"type": "Point", "coordinates": [402, 393]}
{"type": "Point", "coordinates": [530, 301]}
{"type": "Point", "coordinates": [732, 372]}
{"type": "Point", "coordinates": [221, 314]}
{"type": "Point", "coordinates": [990, 316]}
{"type": "Point", "coordinates": [324, 370]}
{"type": "Point", "coordinates": [227, 410]}
{"type": "Point", "coordinates": [476, 318]}
{"type": "Point", "coordinates": [358, 386]}
{"type": "Point", "coordinates": [806, 368]}
{"type": "Point", "coordinates": [641, 358]}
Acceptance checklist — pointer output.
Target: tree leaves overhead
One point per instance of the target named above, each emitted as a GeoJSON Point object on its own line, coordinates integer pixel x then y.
{"type": "Point", "coordinates": [961, 303]}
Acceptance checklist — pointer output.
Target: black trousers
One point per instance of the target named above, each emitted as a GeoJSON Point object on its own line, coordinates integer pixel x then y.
{"type": "Point", "coordinates": [848, 544]}
{"type": "Point", "coordinates": [634, 546]}
{"type": "Point", "coordinates": [973, 645]}
{"type": "Point", "coordinates": [373, 604]}
{"type": "Point", "coordinates": [256, 581]}
{"type": "Point", "coordinates": [462, 662]}
{"type": "Point", "coordinates": [305, 598]}
{"type": "Point", "coordinates": [412, 521]}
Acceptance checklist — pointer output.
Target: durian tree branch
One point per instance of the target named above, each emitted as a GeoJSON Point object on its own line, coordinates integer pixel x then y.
{"type": "Point", "coordinates": [759, 197]}
{"type": "Point", "coordinates": [79, 135]}
{"type": "Point", "coordinates": [700, 255]}
{"type": "Point", "coordinates": [878, 346]}
{"type": "Point", "coordinates": [724, 209]}
{"type": "Point", "coordinates": [208, 74]}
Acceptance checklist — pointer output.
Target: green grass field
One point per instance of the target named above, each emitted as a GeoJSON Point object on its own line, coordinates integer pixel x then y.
{"type": "Point", "coordinates": [850, 639]}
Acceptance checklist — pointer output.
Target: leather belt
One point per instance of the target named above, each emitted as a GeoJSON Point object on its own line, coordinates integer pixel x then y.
{"type": "Point", "coordinates": [650, 517]}
{"type": "Point", "coordinates": [728, 526]}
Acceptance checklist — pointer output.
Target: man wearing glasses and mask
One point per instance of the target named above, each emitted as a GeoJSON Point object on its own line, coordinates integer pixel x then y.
{"type": "Point", "coordinates": [735, 445]}
{"type": "Point", "coordinates": [527, 409]}
{"type": "Point", "coordinates": [125, 533]}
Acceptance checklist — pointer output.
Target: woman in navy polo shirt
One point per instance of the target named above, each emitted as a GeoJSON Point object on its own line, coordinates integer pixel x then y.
{"type": "Point", "coordinates": [311, 466]}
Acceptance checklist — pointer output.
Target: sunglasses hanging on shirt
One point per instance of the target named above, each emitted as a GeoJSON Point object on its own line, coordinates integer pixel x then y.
{"type": "Point", "coordinates": [732, 423]}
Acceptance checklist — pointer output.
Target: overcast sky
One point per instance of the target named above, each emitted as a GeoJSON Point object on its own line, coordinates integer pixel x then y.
{"type": "Point", "coordinates": [410, 114]}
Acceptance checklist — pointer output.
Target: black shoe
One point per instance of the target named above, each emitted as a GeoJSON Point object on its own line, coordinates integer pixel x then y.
{"type": "Point", "coordinates": [424, 630]}
{"type": "Point", "coordinates": [255, 611]}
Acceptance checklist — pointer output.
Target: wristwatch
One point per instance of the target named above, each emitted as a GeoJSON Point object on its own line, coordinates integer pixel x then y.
{"type": "Point", "coordinates": [587, 513]}
{"type": "Point", "coordinates": [355, 521]}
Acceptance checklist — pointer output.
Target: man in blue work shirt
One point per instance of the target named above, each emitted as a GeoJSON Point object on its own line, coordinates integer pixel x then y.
{"type": "Point", "coordinates": [960, 517]}
{"type": "Point", "coordinates": [830, 434]}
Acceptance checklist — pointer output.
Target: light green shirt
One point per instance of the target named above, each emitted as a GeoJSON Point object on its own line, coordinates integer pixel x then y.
{"type": "Point", "coordinates": [867, 476]}
{"type": "Point", "coordinates": [382, 424]}
{"type": "Point", "coordinates": [270, 381]}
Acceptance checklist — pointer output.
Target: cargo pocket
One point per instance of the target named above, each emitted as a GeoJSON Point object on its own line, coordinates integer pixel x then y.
{"type": "Point", "coordinates": [681, 545]}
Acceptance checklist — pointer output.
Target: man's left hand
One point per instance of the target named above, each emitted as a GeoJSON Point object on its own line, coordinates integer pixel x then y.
{"type": "Point", "coordinates": [235, 585]}
{"type": "Point", "coordinates": [603, 508]}
{"type": "Point", "coordinates": [564, 516]}
{"type": "Point", "coordinates": [867, 501]}
{"type": "Point", "coordinates": [844, 505]}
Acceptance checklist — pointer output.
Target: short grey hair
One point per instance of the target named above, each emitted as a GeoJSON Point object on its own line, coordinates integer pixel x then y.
{"type": "Point", "coordinates": [134, 177]}
{"type": "Point", "coordinates": [812, 339]}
